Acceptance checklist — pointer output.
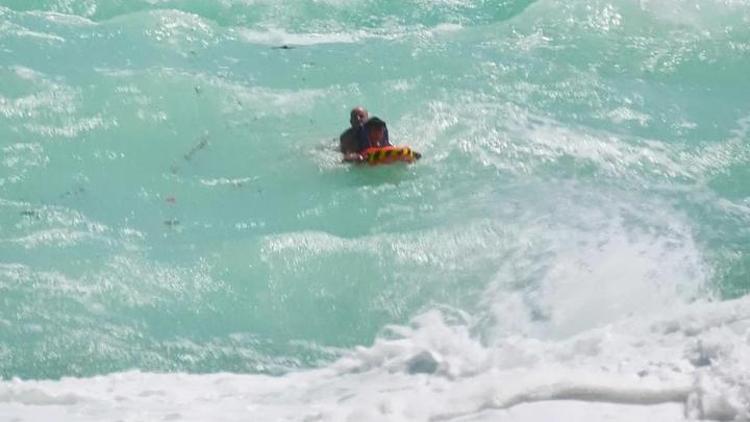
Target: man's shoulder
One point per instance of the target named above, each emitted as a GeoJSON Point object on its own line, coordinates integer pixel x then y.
{"type": "Point", "coordinates": [347, 133]}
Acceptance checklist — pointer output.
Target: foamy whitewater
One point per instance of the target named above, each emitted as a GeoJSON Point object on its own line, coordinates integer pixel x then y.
{"type": "Point", "coordinates": [179, 240]}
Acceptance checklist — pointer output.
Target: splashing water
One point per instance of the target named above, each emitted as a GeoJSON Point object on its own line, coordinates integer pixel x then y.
{"type": "Point", "coordinates": [179, 239]}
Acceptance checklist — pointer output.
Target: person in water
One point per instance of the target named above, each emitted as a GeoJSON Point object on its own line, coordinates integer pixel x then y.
{"type": "Point", "coordinates": [373, 134]}
{"type": "Point", "coordinates": [364, 134]}
{"type": "Point", "coordinates": [348, 141]}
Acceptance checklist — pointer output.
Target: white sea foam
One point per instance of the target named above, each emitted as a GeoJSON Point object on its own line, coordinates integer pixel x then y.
{"type": "Point", "coordinates": [51, 97]}
{"type": "Point", "coordinates": [21, 159]}
{"type": "Point", "coordinates": [71, 128]}
{"type": "Point", "coordinates": [668, 359]}
{"type": "Point", "coordinates": [522, 141]}
{"type": "Point", "coordinates": [278, 36]}
{"type": "Point", "coordinates": [281, 37]}
{"type": "Point", "coordinates": [224, 181]}
{"type": "Point", "coordinates": [179, 29]}
{"type": "Point", "coordinates": [689, 361]}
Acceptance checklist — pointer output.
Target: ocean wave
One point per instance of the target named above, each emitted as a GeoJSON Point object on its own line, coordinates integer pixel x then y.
{"type": "Point", "coordinates": [172, 199]}
{"type": "Point", "coordinates": [692, 361]}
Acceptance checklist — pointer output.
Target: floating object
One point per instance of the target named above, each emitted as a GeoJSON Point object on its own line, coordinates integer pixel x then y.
{"type": "Point", "coordinates": [390, 154]}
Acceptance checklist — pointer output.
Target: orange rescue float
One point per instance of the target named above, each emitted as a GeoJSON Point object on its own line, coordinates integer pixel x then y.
{"type": "Point", "coordinates": [390, 154]}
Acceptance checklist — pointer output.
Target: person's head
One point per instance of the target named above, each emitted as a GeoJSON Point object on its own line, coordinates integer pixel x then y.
{"type": "Point", "coordinates": [375, 129]}
{"type": "Point", "coordinates": [358, 116]}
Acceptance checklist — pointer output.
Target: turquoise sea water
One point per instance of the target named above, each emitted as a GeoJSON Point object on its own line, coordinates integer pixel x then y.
{"type": "Point", "coordinates": [171, 198]}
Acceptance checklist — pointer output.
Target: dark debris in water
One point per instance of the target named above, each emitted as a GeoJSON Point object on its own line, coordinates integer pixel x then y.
{"type": "Point", "coordinates": [30, 213]}
{"type": "Point", "coordinates": [203, 143]}
{"type": "Point", "coordinates": [76, 191]}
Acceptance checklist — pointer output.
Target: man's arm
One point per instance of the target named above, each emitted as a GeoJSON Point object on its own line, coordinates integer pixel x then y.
{"type": "Point", "coordinates": [347, 143]}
